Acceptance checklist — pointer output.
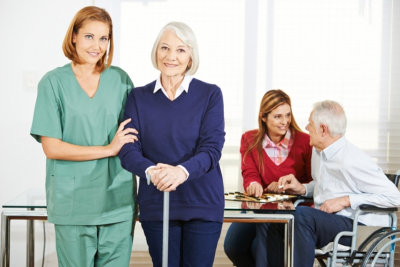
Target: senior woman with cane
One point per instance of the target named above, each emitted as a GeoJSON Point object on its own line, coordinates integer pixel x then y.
{"type": "Point", "coordinates": [180, 121]}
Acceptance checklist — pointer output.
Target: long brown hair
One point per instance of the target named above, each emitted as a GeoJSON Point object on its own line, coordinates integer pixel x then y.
{"type": "Point", "coordinates": [270, 101]}
{"type": "Point", "coordinates": [92, 13]}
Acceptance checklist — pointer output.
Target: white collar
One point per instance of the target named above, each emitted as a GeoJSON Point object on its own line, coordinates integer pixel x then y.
{"type": "Point", "coordinates": [183, 87]}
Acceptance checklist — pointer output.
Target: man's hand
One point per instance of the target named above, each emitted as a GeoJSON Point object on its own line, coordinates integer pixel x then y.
{"type": "Point", "coordinates": [335, 204]}
{"type": "Point", "coordinates": [289, 184]}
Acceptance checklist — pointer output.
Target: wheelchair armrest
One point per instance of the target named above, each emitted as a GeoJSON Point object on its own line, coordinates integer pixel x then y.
{"type": "Point", "coordinates": [371, 208]}
{"type": "Point", "coordinates": [303, 199]}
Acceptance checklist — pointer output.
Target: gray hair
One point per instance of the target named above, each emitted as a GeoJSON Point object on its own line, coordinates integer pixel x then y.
{"type": "Point", "coordinates": [331, 114]}
{"type": "Point", "coordinates": [185, 33]}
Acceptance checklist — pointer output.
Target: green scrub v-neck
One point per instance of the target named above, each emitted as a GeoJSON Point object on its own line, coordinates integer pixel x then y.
{"type": "Point", "coordinates": [84, 192]}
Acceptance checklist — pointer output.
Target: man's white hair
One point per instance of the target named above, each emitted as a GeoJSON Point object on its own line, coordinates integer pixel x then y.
{"type": "Point", "coordinates": [331, 114]}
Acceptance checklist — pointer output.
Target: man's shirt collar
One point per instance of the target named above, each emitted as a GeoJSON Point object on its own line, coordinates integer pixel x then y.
{"type": "Point", "coordinates": [333, 148]}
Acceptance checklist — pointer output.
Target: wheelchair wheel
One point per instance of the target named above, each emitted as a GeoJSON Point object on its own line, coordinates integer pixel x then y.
{"type": "Point", "coordinates": [376, 251]}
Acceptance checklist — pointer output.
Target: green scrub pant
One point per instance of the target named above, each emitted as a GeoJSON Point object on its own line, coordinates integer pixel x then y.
{"type": "Point", "coordinates": [94, 245]}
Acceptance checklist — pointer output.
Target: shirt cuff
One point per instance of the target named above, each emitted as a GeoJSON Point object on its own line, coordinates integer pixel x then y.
{"type": "Point", "coordinates": [309, 190]}
{"type": "Point", "coordinates": [356, 200]}
{"type": "Point", "coordinates": [148, 177]}
{"type": "Point", "coordinates": [184, 169]}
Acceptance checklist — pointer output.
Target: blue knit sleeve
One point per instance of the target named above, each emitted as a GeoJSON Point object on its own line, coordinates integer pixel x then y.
{"type": "Point", "coordinates": [211, 138]}
{"type": "Point", "coordinates": [131, 154]}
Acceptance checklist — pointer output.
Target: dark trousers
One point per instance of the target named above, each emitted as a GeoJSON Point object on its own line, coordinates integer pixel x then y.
{"type": "Point", "coordinates": [240, 244]}
{"type": "Point", "coordinates": [255, 244]}
{"type": "Point", "coordinates": [190, 243]}
{"type": "Point", "coordinates": [269, 252]}
{"type": "Point", "coordinates": [314, 228]}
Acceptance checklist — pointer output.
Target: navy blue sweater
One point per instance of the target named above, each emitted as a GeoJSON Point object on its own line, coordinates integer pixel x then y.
{"type": "Point", "coordinates": [188, 131]}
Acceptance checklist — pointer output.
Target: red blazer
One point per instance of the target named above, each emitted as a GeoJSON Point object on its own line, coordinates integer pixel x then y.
{"type": "Point", "coordinates": [297, 163]}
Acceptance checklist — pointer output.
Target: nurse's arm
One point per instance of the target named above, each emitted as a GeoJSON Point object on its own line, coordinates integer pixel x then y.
{"type": "Point", "coordinates": [57, 149]}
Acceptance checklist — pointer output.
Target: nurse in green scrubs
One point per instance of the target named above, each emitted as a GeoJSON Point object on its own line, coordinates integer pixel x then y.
{"type": "Point", "coordinates": [79, 106]}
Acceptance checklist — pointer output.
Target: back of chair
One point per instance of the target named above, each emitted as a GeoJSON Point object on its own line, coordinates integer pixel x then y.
{"type": "Point", "coordinates": [394, 177]}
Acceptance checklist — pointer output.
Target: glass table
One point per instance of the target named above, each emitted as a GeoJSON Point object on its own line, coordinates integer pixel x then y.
{"type": "Point", "coordinates": [31, 205]}
{"type": "Point", "coordinates": [272, 212]}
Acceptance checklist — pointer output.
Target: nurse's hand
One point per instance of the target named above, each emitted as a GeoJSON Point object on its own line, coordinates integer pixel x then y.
{"type": "Point", "coordinates": [122, 137]}
{"type": "Point", "coordinates": [167, 177]}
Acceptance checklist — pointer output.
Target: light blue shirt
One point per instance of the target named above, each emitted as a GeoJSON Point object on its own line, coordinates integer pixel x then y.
{"type": "Point", "coordinates": [342, 169]}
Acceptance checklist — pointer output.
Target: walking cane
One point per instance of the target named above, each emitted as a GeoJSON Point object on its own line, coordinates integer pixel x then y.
{"type": "Point", "coordinates": [165, 230]}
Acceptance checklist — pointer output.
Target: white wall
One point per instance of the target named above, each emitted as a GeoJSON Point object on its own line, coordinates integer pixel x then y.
{"type": "Point", "coordinates": [31, 34]}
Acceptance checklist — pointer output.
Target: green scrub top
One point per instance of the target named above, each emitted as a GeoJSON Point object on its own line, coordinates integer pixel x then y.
{"type": "Point", "coordinates": [90, 192]}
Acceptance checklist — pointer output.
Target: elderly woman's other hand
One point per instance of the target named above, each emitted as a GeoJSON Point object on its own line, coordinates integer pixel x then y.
{"type": "Point", "coordinates": [167, 177]}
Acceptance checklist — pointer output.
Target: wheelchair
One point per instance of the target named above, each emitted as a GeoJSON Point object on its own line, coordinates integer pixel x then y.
{"type": "Point", "coordinates": [376, 250]}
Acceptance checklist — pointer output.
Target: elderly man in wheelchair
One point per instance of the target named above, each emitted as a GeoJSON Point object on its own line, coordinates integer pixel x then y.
{"type": "Point", "coordinates": [344, 179]}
